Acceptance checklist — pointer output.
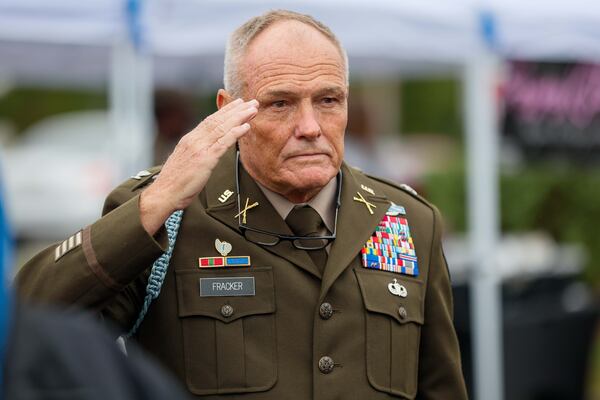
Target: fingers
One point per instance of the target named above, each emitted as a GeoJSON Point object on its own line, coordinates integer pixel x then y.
{"type": "Point", "coordinates": [219, 124]}
{"type": "Point", "coordinates": [239, 114]}
{"type": "Point", "coordinates": [232, 109]}
{"type": "Point", "coordinates": [233, 135]}
{"type": "Point", "coordinates": [188, 168]}
{"type": "Point", "coordinates": [232, 104]}
{"type": "Point", "coordinates": [242, 116]}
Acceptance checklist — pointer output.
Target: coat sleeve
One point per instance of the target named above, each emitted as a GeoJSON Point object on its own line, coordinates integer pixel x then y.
{"type": "Point", "coordinates": [102, 266]}
{"type": "Point", "coordinates": [440, 372]}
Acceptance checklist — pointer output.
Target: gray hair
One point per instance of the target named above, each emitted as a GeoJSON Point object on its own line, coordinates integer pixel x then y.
{"type": "Point", "coordinates": [240, 40]}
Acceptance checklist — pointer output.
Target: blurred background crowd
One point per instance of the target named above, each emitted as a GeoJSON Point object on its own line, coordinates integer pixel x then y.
{"type": "Point", "coordinates": [62, 90]}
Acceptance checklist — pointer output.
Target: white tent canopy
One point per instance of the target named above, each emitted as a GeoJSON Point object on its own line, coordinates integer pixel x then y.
{"type": "Point", "coordinates": [69, 41]}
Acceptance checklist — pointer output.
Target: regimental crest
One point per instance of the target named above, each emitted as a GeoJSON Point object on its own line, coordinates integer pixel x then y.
{"type": "Point", "coordinates": [391, 248]}
{"type": "Point", "coordinates": [223, 247]}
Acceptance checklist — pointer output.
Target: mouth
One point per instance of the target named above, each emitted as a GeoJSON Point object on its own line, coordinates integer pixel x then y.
{"type": "Point", "coordinates": [308, 155]}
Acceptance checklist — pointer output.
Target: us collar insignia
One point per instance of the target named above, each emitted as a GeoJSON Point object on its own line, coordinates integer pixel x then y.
{"type": "Point", "coordinates": [225, 196]}
{"type": "Point", "coordinates": [367, 189]}
{"type": "Point", "coordinates": [224, 248]}
{"type": "Point", "coordinates": [391, 248]}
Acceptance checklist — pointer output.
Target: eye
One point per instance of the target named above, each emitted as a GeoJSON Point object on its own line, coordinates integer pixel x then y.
{"type": "Point", "coordinates": [279, 104]}
{"type": "Point", "coordinates": [329, 100]}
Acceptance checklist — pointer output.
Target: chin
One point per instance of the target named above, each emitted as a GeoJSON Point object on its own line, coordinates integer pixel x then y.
{"type": "Point", "coordinates": [314, 177]}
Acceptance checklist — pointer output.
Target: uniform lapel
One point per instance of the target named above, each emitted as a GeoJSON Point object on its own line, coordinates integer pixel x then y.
{"type": "Point", "coordinates": [263, 216]}
{"type": "Point", "coordinates": [354, 226]}
{"type": "Point", "coordinates": [221, 181]}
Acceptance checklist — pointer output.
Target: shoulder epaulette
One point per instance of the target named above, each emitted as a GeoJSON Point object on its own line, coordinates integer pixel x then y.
{"type": "Point", "coordinates": [402, 186]}
{"type": "Point", "coordinates": [144, 177]}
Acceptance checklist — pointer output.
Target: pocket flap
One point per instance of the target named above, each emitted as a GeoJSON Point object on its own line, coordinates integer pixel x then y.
{"type": "Point", "coordinates": [225, 307]}
{"type": "Point", "coordinates": [378, 298]}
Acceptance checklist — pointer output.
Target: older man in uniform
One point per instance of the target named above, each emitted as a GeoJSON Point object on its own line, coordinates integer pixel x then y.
{"type": "Point", "coordinates": [289, 275]}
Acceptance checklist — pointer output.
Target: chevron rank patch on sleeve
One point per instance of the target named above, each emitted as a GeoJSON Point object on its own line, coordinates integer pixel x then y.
{"type": "Point", "coordinates": [66, 246]}
{"type": "Point", "coordinates": [391, 247]}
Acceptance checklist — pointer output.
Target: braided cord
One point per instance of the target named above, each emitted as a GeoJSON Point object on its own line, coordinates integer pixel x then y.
{"type": "Point", "coordinates": [159, 270]}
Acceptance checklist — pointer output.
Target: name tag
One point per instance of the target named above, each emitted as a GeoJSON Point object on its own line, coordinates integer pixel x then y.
{"type": "Point", "coordinates": [240, 286]}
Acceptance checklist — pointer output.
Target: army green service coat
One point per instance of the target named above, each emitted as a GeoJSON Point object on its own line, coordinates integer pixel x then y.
{"type": "Point", "coordinates": [280, 343]}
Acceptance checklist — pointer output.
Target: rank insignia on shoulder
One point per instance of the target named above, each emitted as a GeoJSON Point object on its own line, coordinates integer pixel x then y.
{"type": "Point", "coordinates": [66, 246]}
{"type": "Point", "coordinates": [391, 248]}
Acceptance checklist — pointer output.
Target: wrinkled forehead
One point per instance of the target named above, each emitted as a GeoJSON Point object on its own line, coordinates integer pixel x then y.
{"type": "Point", "coordinates": [291, 48]}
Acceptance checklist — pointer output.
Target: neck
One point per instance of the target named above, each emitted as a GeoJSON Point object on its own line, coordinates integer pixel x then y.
{"type": "Point", "coordinates": [296, 196]}
{"type": "Point", "coordinates": [299, 196]}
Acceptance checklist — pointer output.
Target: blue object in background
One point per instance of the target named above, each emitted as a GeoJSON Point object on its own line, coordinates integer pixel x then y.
{"type": "Point", "coordinates": [133, 13]}
{"type": "Point", "coordinates": [6, 247]}
{"type": "Point", "coordinates": [488, 29]}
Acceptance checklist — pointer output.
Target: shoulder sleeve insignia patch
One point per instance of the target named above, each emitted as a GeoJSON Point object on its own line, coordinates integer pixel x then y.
{"type": "Point", "coordinates": [66, 246]}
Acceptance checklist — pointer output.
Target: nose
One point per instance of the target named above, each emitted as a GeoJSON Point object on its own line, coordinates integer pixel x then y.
{"type": "Point", "coordinates": [307, 125]}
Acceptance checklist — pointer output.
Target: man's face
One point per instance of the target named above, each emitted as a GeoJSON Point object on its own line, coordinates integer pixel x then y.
{"type": "Point", "coordinates": [296, 142]}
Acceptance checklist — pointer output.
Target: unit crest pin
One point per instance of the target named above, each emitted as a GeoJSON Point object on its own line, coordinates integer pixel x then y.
{"type": "Point", "coordinates": [223, 247]}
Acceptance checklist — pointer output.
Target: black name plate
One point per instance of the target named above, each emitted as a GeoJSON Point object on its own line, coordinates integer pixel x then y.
{"type": "Point", "coordinates": [235, 286]}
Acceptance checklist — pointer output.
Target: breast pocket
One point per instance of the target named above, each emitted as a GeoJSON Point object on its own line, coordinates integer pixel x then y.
{"type": "Point", "coordinates": [229, 338]}
{"type": "Point", "coordinates": [394, 316]}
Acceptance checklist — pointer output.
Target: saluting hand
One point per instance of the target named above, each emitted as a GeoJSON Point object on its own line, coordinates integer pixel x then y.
{"type": "Point", "coordinates": [188, 168]}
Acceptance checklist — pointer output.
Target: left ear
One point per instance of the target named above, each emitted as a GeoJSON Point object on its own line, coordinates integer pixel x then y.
{"type": "Point", "coordinates": [223, 98]}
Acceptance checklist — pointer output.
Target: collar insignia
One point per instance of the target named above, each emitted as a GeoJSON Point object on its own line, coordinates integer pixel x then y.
{"type": "Point", "coordinates": [225, 196]}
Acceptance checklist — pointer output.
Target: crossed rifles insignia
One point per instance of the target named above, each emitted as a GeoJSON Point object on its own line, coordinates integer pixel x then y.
{"type": "Point", "coordinates": [361, 199]}
{"type": "Point", "coordinates": [246, 208]}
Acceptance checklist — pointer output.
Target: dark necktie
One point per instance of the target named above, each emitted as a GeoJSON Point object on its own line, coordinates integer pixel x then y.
{"type": "Point", "coordinates": [305, 221]}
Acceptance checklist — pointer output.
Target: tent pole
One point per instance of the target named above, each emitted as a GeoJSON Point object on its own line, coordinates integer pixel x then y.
{"type": "Point", "coordinates": [130, 94]}
{"type": "Point", "coordinates": [483, 220]}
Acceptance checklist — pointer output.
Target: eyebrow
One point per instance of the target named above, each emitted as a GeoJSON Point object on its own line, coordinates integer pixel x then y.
{"type": "Point", "coordinates": [279, 93]}
{"type": "Point", "coordinates": [336, 91]}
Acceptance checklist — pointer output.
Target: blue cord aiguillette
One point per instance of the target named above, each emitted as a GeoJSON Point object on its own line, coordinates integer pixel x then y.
{"type": "Point", "coordinates": [159, 270]}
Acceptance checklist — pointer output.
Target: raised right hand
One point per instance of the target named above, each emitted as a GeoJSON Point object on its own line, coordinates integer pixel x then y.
{"type": "Point", "coordinates": [188, 168]}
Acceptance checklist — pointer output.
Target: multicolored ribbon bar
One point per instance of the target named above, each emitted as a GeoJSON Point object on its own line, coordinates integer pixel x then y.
{"type": "Point", "coordinates": [391, 247]}
{"type": "Point", "coordinates": [229, 261]}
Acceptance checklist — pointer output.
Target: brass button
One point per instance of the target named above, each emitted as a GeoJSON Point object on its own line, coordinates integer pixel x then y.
{"type": "Point", "coordinates": [402, 312]}
{"type": "Point", "coordinates": [326, 364]}
{"type": "Point", "coordinates": [227, 311]}
{"type": "Point", "coordinates": [325, 311]}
